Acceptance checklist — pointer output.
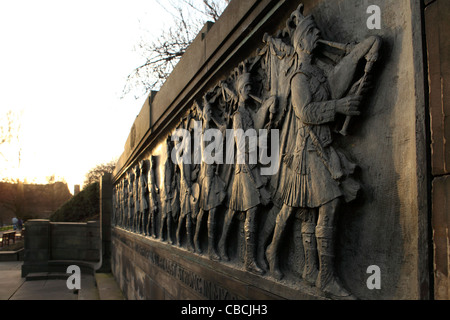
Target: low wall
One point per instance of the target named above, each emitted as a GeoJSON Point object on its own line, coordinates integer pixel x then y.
{"type": "Point", "coordinates": [12, 255]}
{"type": "Point", "coordinates": [49, 244]}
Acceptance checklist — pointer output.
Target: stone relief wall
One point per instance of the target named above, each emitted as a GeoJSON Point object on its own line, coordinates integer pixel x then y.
{"type": "Point", "coordinates": [257, 175]}
{"type": "Point", "coordinates": [287, 87]}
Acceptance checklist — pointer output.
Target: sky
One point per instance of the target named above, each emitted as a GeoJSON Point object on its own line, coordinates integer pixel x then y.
{"type": "Point", "coordinates": [63, 65]}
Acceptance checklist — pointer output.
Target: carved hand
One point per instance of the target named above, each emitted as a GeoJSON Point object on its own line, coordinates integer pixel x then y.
{"type": "Point", "coordinates": [373, 53]}
{"type": "Point", "coordinates": [366, 85]}
{"type": "Point", "coordinates": [266, 38]}
{"type": "Point", "coordinates": [349, 105]}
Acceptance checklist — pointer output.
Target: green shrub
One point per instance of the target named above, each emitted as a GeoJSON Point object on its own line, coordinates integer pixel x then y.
{"type": "Point", "coordinates": [80, 208]}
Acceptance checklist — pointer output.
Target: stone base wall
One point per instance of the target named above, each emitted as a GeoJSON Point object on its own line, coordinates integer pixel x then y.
{"type": "Point", "coordinates": [147, 269]}
{"type": "Point", "coordinates": [47, 242]}
{"type": "Point", "coordinates": [437, 15]}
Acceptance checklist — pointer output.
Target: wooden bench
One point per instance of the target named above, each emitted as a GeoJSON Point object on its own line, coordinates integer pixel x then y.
{"type": "Point", "coordinates": [7, 237]}
{"type": "Point", "coordinates": [20, 235]}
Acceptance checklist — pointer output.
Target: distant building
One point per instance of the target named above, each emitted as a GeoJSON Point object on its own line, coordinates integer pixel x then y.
{"type": "Point", "coordinates": [31, 201]}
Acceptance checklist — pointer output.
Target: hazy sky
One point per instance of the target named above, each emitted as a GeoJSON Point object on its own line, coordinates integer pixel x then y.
{"type": "Point", "coordinates": [63, 65]}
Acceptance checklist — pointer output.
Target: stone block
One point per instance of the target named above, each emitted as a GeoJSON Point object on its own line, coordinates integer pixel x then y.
{"type": "Point", "coordinates": [38, 242]}
{"type": "Point", "coordinates": [437, 15]}
{"type": "Point", "coordinates": [66, 253]}
{"type": "Point", "coordinates": [37, 255]}
{"type": "Point", "coordinates": [441, 214]}
{"type": "Point", "coordinates": [91, 255]}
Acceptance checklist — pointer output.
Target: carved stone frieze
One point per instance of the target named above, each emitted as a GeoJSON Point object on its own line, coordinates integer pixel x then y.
{"type": "Point", "coordinates": [290, 100]}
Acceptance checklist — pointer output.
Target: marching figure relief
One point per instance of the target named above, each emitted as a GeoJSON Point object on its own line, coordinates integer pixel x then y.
{"type": "Point", "coordinates": [293, 87]}
{"type": "Point", "coordinates": [167, 196]}
{"type": "Point", "coordinates": [313, 174]}
{"type": "Point", "coordinates": [143, 203]}
{"type": "Point", "coordinates": [247, 183]}
{"type": "Point", "coordinates": [212, 191]}
{"type": "Point", "coordinates": [153, 190]}
{"type": "Point", "coordinates": [185, 185]}
{"type": "Point", "coordinates": [130, 201]}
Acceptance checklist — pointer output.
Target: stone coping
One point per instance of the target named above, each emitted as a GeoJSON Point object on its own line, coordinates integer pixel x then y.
{"type": "Point", "coordinates": [12, 255]}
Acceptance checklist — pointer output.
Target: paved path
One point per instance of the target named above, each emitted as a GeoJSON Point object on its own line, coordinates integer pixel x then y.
{"type": "Point", "coordinates": [10, 278]}
{"type": "Point", "coordinates": [14, 287]}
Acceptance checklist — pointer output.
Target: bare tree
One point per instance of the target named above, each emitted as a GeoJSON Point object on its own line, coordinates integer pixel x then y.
{"type": "Point", "coordinates": [161, 55]}
{"type": "Point", "coordinates": [95, 173]}
{"type": "Point", "coordinates": [6, 128]}
{"type": "Point", "coordinates": [9, 128]}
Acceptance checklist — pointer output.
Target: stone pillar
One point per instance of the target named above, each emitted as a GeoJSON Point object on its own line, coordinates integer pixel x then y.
{"type": "Point", "coordinates": [93, 243]}
{"type": "Point", "coordinates": [37, 246]}
{"type": "Point", "coordinates": [105, 221]}
{"type": "Point", "coordinates": [437, 15]}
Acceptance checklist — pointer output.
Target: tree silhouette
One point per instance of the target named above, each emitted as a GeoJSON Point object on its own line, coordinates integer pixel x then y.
{"type": "Point", "coordinates": [161, 55]}
{"type": "Point", "coordinates": [95, 173]}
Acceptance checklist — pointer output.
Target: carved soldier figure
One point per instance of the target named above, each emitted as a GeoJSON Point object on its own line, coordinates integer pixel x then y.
{"type": "Point", "coordinates": [130, 201]}
{"type": "Point", "coordinates": [123, 205]}
{"type": "Point", "coordinates": [167, 195]}
{"type": "Point", "coordinates": [137, 202]}
{"type": "Point", "coordinates": [134, 190]}
{"type": "Point", "coordinates": [142, 194]}
{"type": "Point", "coordinates": [212, 191]}
{"type": "Point", "coordinates": [245, 195]}
{"type": "Point", "coordinates": [153, 201]}
{"type": "Point", "coordinates": [185, 201]}
{"type": "Point", "coordinates": [118, 204]}
{"type": "Point", "coordinates": [316, 176]}
{"type": "Point", "coordinates": [114, 204]}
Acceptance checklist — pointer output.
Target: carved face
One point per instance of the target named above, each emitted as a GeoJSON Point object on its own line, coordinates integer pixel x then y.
{"type": "Point", "coordinates": [305, 38]}
{"type": "Point", "coordinates": [207, 112]}
{"type": "Point", "coordinates": [309, 41]}
{"type": "Point", "coordinates": [244, 91]}
{"type": "Point", "coordinates": [152, 162]}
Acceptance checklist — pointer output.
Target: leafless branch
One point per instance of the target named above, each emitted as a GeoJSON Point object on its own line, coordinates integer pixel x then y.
{"type": "Point", "coordinates": [161, 55]}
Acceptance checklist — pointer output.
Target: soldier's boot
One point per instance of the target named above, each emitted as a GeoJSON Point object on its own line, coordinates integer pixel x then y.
{"type": "Point", "coordinates": [143, 224]}
{"type": "Point", "coordinates": [190, 243]}
{"type": "Point", "coordinates": [310, 270]}
{"type": "Point", "coordinates": [264, 236]}
{"type": "Point", "coordinates": [272, 258]}
{"type": "Point", "coordinates": [197, 246]}
{"type": "Point", "coordinates": [213, 255]}
{"type": "Point", "coordinates": [153, 225]}
{"type": "Point", "coordinates": [327, 281]}
{"type": "Point", "coordinates": [169, 230]}
{"type": "Point", "coordinates": [222, 242]}
{"type": "Point", "coordinates": [149, 224]}
{"type": "Point", "coordinates": [178, 232]}
{"type": "Point", "coordinates": [250, 261]}
{"type": "Point", "coordinates": [135, 223]}
{"type": "Point", "coordinates": [161, 227]}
